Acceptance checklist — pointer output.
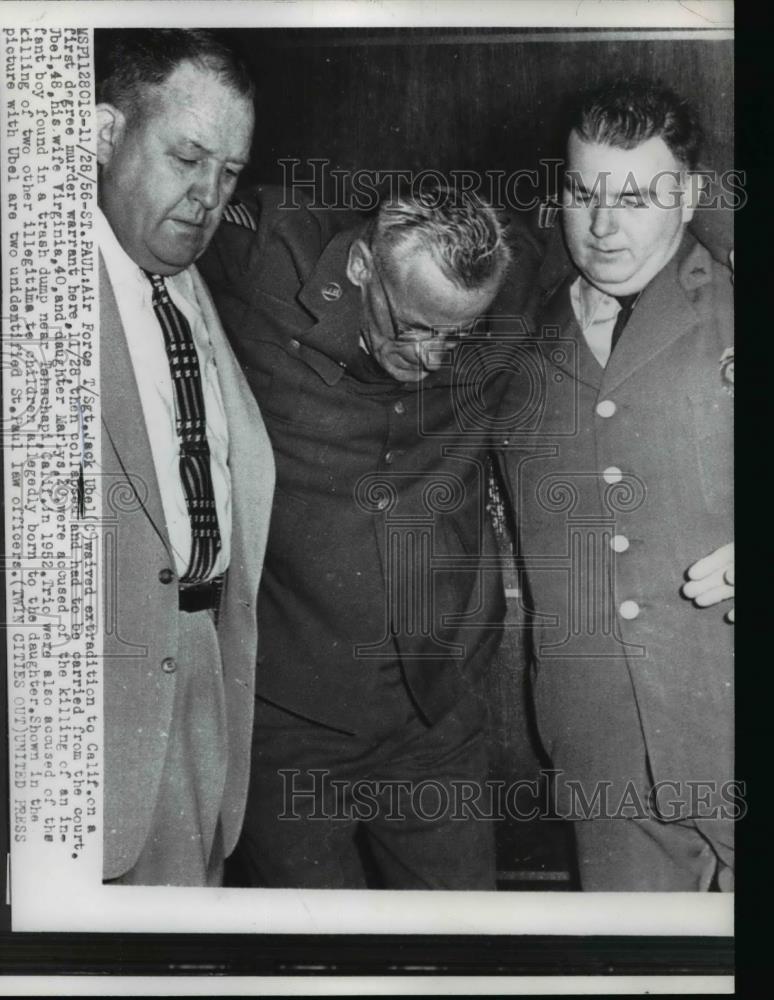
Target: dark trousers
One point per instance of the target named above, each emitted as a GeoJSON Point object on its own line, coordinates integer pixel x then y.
{"type": "Point", "coordinates": [332, 810]}
{"type": "Point", "coordinates": [623, 845]}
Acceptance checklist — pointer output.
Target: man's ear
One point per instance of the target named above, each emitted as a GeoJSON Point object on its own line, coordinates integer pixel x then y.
{"type": "Point", "coordinates": [111, 125]}
{"type": "Point", "coordinates": [359, 264]}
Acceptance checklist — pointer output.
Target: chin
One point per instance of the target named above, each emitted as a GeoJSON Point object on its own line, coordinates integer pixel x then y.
{"type": "Point", "coordinates": [605, 277]}
{"type": "Point", "coordinates": [179, 257]}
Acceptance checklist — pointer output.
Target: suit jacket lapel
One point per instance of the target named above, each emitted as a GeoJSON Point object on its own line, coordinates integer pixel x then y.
{"type": "Point", "coordinates": [128, 437]}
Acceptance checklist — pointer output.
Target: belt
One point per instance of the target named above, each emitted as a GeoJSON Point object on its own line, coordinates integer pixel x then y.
{"type": "Point", "coordinates": [200, 596]}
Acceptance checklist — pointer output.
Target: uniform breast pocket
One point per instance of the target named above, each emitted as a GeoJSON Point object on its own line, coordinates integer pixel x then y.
{"type": "Point", "coordinates": [293, 393]}
{"type": "Point", "coordinates": [712, 420]}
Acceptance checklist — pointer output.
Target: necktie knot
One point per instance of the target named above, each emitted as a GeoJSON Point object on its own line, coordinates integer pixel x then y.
{"type": "Point", "coordinates": [158, 285]}
{"type": "Point", "coordinates": [627, 303]}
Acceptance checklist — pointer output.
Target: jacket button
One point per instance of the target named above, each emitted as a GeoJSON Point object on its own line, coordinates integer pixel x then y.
{"type": "Point", "coordinates": [295, 344]}
{"type": "Point", "coordinates": [629, 610]}
{"type": "Point", "coordinates": [382, 504]}
{"type": "Point", "coordinates": [169, 665]}
{"type": "Point", "coordinates": [619, 543]}
{"type": "Point", "coordinates": [606, 408]}
{"type": "Point", "coordinates": [166, 575]}
{"type": "Point", "coordinates": [612, 475]}
{"type": "Point", "coordinates": [389, 458]}
{"type": "Point", "coordinates": [400, 407]}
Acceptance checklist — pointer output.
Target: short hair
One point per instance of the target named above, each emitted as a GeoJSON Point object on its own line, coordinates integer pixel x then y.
{"type": "Point", "coordinates": [627, 112]}
{"type": "Point", "coordinates": [461, 231]}
{"type": "Point", "coordinates": [128, 61]}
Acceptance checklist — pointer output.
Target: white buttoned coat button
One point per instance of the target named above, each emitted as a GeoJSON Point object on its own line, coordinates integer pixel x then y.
{"type": "Point", "coordinates": [619, 543]}
{"type": "Point", "coordinates": [606, 408]}
{"type": "Point", "coordinates": [612, 475]}
{"type": "Point", "coordinates": [629, 610]}
{"type": "Point", "coordinates": [169, 665]}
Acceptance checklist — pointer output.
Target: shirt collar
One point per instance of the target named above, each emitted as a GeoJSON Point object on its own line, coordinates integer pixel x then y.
{"type": "Point", "coordinates": [123, 270]}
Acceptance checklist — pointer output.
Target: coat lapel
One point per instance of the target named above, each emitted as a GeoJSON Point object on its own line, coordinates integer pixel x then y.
{"type": "Point", "coordinates": [664, 313]}
{"type": "Point", "coordinates": [127, 439]}
{"type": "Point", "coordinates": [334, 302]}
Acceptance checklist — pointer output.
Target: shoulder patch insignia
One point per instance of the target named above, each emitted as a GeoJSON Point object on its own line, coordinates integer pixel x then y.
{"type": "Point", "coordinates": [240, 215]}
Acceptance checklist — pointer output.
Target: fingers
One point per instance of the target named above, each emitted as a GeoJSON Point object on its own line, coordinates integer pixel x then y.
{"type": "Point", "coordinates": [711, 579]}
{"type": "Point", "coordinates": [721, 559]}
{"type": "Point", "coordinates": [713, 596]}
{"type": "Point", "coordinates": [695, 588]}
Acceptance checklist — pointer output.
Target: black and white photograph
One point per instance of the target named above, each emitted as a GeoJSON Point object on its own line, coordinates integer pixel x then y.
{"type": "Point", "coordinates": [368, 395]}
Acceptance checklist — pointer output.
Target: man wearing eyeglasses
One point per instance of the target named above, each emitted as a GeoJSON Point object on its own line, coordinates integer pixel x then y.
{"type": "Point", "coordinates": [377, 611]}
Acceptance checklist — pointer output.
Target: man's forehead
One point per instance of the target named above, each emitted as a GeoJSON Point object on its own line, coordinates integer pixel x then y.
{"type": "Point", "coordinates": [425, 292]}
{"type": "Point", "coordinates": [645, 163]}
{"type": "Point", "coordinates": [195, 100]}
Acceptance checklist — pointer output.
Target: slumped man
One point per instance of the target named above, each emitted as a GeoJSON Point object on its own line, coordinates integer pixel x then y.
{"type": "Point", "coordinates": [376, 617]}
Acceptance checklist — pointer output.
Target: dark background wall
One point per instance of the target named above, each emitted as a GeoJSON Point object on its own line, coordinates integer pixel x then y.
{"type": "Point", "coordinates": [417, 99]}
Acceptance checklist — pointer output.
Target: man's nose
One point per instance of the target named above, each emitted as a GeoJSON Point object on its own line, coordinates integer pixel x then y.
{"type": "Point", "coordinates": [603, 221]}
{"type": "Point", "coordinates": [206, 188]}
{"type": "Point", "coordinates": [436, 352]}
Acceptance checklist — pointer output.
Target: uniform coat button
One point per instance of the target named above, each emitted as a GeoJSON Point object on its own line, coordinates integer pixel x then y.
{"type": "Point", "coordinates": [400, 407]}
{"type": "Point", "coordinates": [612, 475]}
{"type": "Point", "coordinates": [629, 610]}
{"type": "Point", "coordinates": [166, 575]}
{"type": "Point", "coordinates": [169, 665]}
{"type": "Point", "coordinates": [606, 408]}
{"type": "Point", "coordinates": [619, 543]}
{"type": "Point", "coordinates": [295, 344]}
{"type": "Point", "coordinates": [389, 458]}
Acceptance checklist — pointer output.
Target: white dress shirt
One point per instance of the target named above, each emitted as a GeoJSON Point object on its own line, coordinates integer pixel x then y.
{"type": "Point", "coordinates": [596, 314]}
{"type": "Point", "coordinates": [145, 340]}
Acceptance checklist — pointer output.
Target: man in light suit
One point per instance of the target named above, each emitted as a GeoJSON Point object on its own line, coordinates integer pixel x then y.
{"type": "Point", "coordinates": [187, 469]}
{"type": "Point", "coordinates": [621, 481]}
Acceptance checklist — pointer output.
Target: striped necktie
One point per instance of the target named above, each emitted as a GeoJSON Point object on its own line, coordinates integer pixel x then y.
{"type": "Point", "coordinates": [195, 473]}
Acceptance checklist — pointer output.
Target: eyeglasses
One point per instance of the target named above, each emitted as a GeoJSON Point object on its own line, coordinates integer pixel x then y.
{"type": "Point", "coordinates": [402, 330]}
